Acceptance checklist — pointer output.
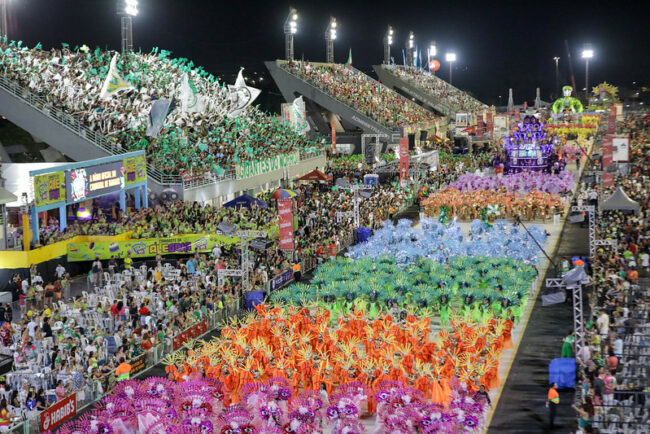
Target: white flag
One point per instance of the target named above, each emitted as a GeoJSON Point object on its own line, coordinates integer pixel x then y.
{"type": "Point", "coordinates": [241, 95]}
{"type": "Point", "coordinates": [298, 117]}
{"type": "Point", "coordinates": [114, 82]}
{"type": "Point", "coordinates": [190, 99]}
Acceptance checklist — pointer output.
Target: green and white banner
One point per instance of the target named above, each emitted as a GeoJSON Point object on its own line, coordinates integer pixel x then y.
{"type": "Point", "coordinates": [259, 167]}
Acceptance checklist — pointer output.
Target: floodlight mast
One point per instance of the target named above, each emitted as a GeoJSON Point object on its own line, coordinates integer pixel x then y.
{"type": "Point", "coordinates": [451, 58]}
{"type": "Point", "coordinates": [388, 41]}
{"type": "Point", "coordinates": [3, 18]}
{"type": "Point", "coordinates": [330, 36]}
{"type": "Point", "coordinates": [128, 9]}
{"type": "Point", "coordinates": [587, 53]}
{"type": "Point", "coordinates": [410, 46]}
{"type": "Point", "coordinates": [290, 29]}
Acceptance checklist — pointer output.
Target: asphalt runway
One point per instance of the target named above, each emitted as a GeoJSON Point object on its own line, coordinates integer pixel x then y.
{"type": "Point", "coordinates": [521, 407]}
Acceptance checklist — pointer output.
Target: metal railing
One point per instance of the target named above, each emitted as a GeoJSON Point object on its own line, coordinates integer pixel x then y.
{"type": "Point", "coordinates": [95, 389]}
{"type": "Point", "coordinates": [74, 124]}
{"type": "Point", "coordinates": [231, 174]}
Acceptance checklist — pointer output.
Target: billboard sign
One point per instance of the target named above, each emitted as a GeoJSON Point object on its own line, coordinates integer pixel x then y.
{"type": "Point", "coordinates": [94, 181]}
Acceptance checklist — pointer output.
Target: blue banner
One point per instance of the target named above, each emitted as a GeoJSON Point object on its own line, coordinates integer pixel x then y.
{"type": "Point", "coordinates": [280, 280]}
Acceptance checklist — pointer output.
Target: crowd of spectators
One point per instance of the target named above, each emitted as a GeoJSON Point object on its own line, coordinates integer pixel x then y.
{"type": "Point", "coordinates": [167, 220]}
{"type": "Point", "coordinates": [452, 97]}
{"type": "Point", "coordinates": [361, 92]}
{"type": "Point", "coordinates": [206, 141]}
{"type": "Point", "coordinates": [614, 362]}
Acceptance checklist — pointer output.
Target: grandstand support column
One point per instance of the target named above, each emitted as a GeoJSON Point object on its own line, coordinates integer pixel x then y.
{"type": "Point", "coordinates": [3, 18]}
{"type": "Point", "coordinates": [136, 193]}
{"type": "Point", "coordinates": [145, 196]}
{"type": "Point", "coordinates": [35, 227]}
{"type": "Point", "coordinates": [127, 34]}
{"type": "Point", "coordinates": [63, 218]}
{"type": "Point", "coordinates": [123, 201]}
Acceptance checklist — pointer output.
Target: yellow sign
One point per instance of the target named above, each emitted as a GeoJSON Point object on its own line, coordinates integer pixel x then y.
{"type": "Point", "coordinates": [136, 169]}
{"type": "Point", "coordinates": [49, 188]}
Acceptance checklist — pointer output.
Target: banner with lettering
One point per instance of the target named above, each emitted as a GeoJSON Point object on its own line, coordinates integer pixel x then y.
{"type": "Point", "coordinates": [490, 124]}
{"type": "Point", "coordinates": [608, 152]}
{"type": "Point", "coordinates": [608, 179]}
{"type": "Point", "coordinates": [148, 247]}
{"type": "Point", "coordinates": [49, 188]}
{"type": "Point", "coordinates": [333, 125]}
{"type": "Point", "coordinates": [403, 161]}
{"type": "Point", "coordinates": [611, 120]}
{"type": "Point", "coordinates": [58, 413]}
{"type": "Point", "coordinates": [280, 280]}
{"type": "Point", "coordinates": [285, 222]}
{"type": "Point", "coordinates": [259, 167]}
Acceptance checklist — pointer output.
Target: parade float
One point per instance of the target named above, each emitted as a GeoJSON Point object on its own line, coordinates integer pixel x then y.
{"type": "Point", "coordinates": [531, 147]}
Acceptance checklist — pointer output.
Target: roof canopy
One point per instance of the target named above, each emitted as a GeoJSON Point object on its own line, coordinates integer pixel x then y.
{"type": "Point", "coordinates": [245, 201]}
{"type": "Point", "coordinates": [620, 201]}
{"type": "Point", "coordinates": [315, 175]}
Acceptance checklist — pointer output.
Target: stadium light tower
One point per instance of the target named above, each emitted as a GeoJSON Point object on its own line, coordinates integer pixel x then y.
{"type": "Point", "coordinates": [451, 58]}
{"type": "Point", "coordinates": [128, 9]}
{"type": "Point", "coordinates": [330, 36]}
{"type": "Point", "coordinates": [587, 53]}
{"type": "Point", "coordinates": [388, 41]}
{"type": "Point", "coordinates": [431, 54]}
{"type": "Point", "coordinates": [557, 76]}
{"type": "Point", "coordinates": [290, 29]}
{"type": "Point", "coordinates": [3, 18]}
{"type": "Point", "coordinates": [410, 47]}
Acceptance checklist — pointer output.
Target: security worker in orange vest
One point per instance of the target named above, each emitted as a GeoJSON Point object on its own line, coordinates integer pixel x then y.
{"type": "Point", "coordinates": [553, 402]}
{"type": "Point", "coordinates": [296, 271]}
{"type": "Point", "coordinates": [123, 371]}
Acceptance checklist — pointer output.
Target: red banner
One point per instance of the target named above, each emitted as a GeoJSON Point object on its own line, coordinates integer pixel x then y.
{"type": "Point", "coordinates": [191, 333]}
{"type": "Point", "coordinates": [490, 124]}
{"type": "Point", "coordinates": [285, 222]}
{"type": "Point", "coordinates": [608, 152]}
{"type": "Point", "coordinates": [608, 179]}
{"type": "Point", "coordinates": [403, 160]}
{"type": "Point", "coordinates": [611, 121]}
{"type": "Point", "coordinates": [333, 125]}
{"type": "Point", "coordinates": [59, 413]}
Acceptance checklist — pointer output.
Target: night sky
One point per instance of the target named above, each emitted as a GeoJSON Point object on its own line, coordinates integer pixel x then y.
{"type": "Point", "coordinates": [498, 44]}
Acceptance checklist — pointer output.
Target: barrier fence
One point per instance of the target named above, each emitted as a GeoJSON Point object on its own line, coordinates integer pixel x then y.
{"type": "Point", "coordinates": [96, 388]}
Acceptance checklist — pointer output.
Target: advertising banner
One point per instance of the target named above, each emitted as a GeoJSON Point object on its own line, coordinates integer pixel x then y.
{"type": "Point", "coordinates": [285, 221]}
{"type": "Point", "coordinates": [280, 280]}
{"type": "Point", "coordinates": [490, 123]}
{"type": "Point", "coordinates": [138, 364]}
{"type": "Point", "coordinates": [49, 188]}
{"type": "Point", "coordinates": [191, 333]}
{"type": "Point", "coordinates": [286, 112]}
{"type": "Point", "coordinates": [403, 161]}
{"type": "Point", "coordinates": [618, 107]}
{"type": "Point", "coordinates": [611, 120]}
{"type": "Point", "coordinates": [58, 413]}
{"type": "Point", "coordinates": [254, 168]}
{"type": "Point", "coordinates": [621, 148]}
{"type": "Point", "coordinates": [89, 182]}
{"type": "Point", "coordinates": [136, 169]}
{"type": "Point", "coordinates": [608, 154]}
{"type": "Point", "coordinates": [333, 126]}
{"type": "Point", "coordinates": [147, 247]}
{"type": "Point", "coordinates": [608, 179]}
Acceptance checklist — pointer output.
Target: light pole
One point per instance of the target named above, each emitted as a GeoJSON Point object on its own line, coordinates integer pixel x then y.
{"type": "Point", "coordinates": [3, 19]}
{"type": "Point", "coordinates": [128, 9]}
{"type": "Point", "coordinates": [330, 36]}
{"type": "Point", "coordinates": [557, 77]}
{"type": "Point", "coordinates": [587, 53]}
{"type": "Point", "coordinates": [451, 58]}
{"type": "Point", "coordinates": [432, 53]}
{"type": "Point", "coordinates": [290, 29]}
{"type": "Point", "coordinates": [410, 46]}
{"type": "Point", "coordinates": [388, 41]}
